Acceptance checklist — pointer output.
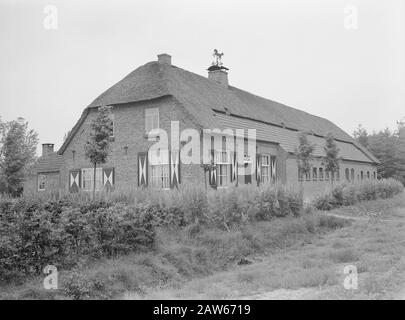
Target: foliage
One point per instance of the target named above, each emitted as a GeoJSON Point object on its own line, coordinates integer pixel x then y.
{"type": "Point", "coordinates": [17, 153]}
{"type": "Point", "coordinates": [304, 154]}
{"type": "Point", "coordinates": [352, 193]}
{"type": "Point", "coordinates": [97, 147]}
{"type": "Point", "coordinates": [389, 149]}
{"type": "Point", "coordinates": [331, 155]}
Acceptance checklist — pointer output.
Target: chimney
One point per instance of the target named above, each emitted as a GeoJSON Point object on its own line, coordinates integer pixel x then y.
{"type": "Point", "coordinates": [47, 148]}
{"type": "Point", "coordinates": [165, 58]}
{"type": "Point", "coordinates": [217, 72]}
{"type": "Point", "coordinates": [220, 76]}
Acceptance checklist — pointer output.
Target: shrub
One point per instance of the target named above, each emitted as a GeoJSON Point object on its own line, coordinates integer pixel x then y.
{"type": "Point", "coordinates": [349, 194]}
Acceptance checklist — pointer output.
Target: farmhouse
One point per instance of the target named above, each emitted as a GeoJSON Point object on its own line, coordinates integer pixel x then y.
{"type": "Point", "coordinates": [158, 93]}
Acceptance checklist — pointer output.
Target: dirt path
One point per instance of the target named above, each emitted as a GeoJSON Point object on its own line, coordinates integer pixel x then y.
{"type": "Point", "coordinates": [285, 294]}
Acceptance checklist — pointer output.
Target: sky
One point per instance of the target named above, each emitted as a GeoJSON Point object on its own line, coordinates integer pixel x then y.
{"type": "Point", "coordinates": [342, 60]}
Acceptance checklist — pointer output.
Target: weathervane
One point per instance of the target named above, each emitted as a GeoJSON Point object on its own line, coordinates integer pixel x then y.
{"type": "Point", "coordinates": [217, 58]}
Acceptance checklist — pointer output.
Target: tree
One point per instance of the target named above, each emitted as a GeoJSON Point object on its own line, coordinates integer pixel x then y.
{"type": "Point", "coordinates": [18, 147]}
{"type": "Point", "coordinates": [304, 155]}
{"type": "Point", "coordinates": [361, 136]}
{"type": "Point", "coordinates": [331, 156]}
{"type": "Point", "coordinates": [389, 148]}
{"type": "Point", "coordinates": [97, 147]}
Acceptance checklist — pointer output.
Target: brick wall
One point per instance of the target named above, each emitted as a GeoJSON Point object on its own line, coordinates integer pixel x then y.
{"type": "Point", "coordinates": [129, 140]}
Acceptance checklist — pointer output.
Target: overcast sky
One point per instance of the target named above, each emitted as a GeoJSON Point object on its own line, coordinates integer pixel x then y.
{"type": "Point", "coordinates": [296, 52]}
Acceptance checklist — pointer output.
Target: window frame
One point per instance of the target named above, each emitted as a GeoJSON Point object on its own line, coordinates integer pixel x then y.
{"type": "Point", "coordinates": [267, 167]}
{"type": "Point", "coordinates": [99, 179]}
{"type": "Point", "coordinates": [40, 182]}
{"type": "Point", "coordinates": [152, 114]}
{"type": "Point", "coordinates": [159, 173]}
{"type": "Point", "coordinates": [223, 167]}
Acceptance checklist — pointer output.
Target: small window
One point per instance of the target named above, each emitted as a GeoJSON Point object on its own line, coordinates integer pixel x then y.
{"type": "Point", "coordinates": [151, 119]}
{"type": "Point", "coordinates": [73, 154]}
{"type": "Point", "coordinates": [315, 174]}
{"type": "Point", "coordinates": [347, 174]}
{"type": "Point", "coordinates": [300, 175]}
{"type": "Point", "coordinates": [374, 175]}
{"type": "Point", "coordinates": [265, 168]}
{"type": "Point", "coordinates": [327, 175]}
{"type": "Point", "coordinates": [352, 174]}
{"type": "Point", "coordinates": [338, 174]}
{"type": "Point", "coordinates": [362, 175]}
{"type": "Point", "coordinates": [368, 174]}
{"type": "Point", "coordinates": [321, 174]}
{"type": "Point", "coordinates": [41, 182]}
{"type": "Point", "coordinates": [223, 167]}
{"type": "Point", "coordinates": [88, 179]}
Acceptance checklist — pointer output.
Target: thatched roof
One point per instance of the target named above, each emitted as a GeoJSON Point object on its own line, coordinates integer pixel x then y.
{"type": "Point", "coordinates": [201, 96]}
{"type": "Point", "coordinates": [53, 162]}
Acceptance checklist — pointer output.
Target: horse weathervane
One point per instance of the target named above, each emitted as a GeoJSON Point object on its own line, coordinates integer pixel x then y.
{"type": "Point", "coordinates": [217, 58]}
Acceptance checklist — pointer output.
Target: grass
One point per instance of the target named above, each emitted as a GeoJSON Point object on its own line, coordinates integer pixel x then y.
{"type": "Point", "coordinates": [181, 256]}
{"type": "Point", "coordinates": [312, 268]}
{"type": "Point", "coordinates": [291, 258]}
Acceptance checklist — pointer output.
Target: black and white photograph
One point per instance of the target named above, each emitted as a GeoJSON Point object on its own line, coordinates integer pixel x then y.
{"type": "Point", "coordinates": [202, 157]}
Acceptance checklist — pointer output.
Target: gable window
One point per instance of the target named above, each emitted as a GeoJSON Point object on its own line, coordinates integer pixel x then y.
{"type": "Point", "coordinates": [41, 182]}
{"type": "Point", "coordinates": [321, 174]}
{"type": "Point", "coordinates": [315, 174]}
{"type": "Point", "coordinates": [223, 163]}
{"type": "Point", "coordinates": [88, 179]}
{"type": "Point", "coordinates": [159, 171]}
{"type": "Point", "coordinates": [265, 168]}
{"type": "Point", "coordinates": [151, 119]}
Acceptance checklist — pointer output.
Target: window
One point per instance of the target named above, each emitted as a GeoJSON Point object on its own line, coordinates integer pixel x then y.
{"type": "Point", "coordinates": [223, 167]}
{"type": "Point", "coordinates": [347, 174]}
{"type": "Point", "coordinates": [314, 174]}
{"type": "Point", "coordinates": [338, 174]}
{"type": "Point", "coordinates": [308, 175]}
{"type": "Point", "coordinates": [368, 174]}
{"type": "Point", "coordinates": [300, 175]}
{"type": "Point", "coordinates": [321, 174]}
{"type": "Point", "coordinates": [41, 182]}
{"type": "Point", "coordinates": [352, 174]}
{"type": "Point", "coordinates": [327, 175]}
{"type": "Point", "coordinates": [88, 178]}
{"type": "Point", "coordinates": [362, 175]}
{"type": "Point", "coordinates": [265, 168]}
{"type": "Point", "coordinates": [374, 175]}
{"type": "Point", "coordinates": [159, 172]}
{"type": "Point", "coordinates": [151, 119]}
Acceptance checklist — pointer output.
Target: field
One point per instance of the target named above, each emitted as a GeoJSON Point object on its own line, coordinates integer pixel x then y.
{"type": "Point", "coordinates": [268, 246]}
